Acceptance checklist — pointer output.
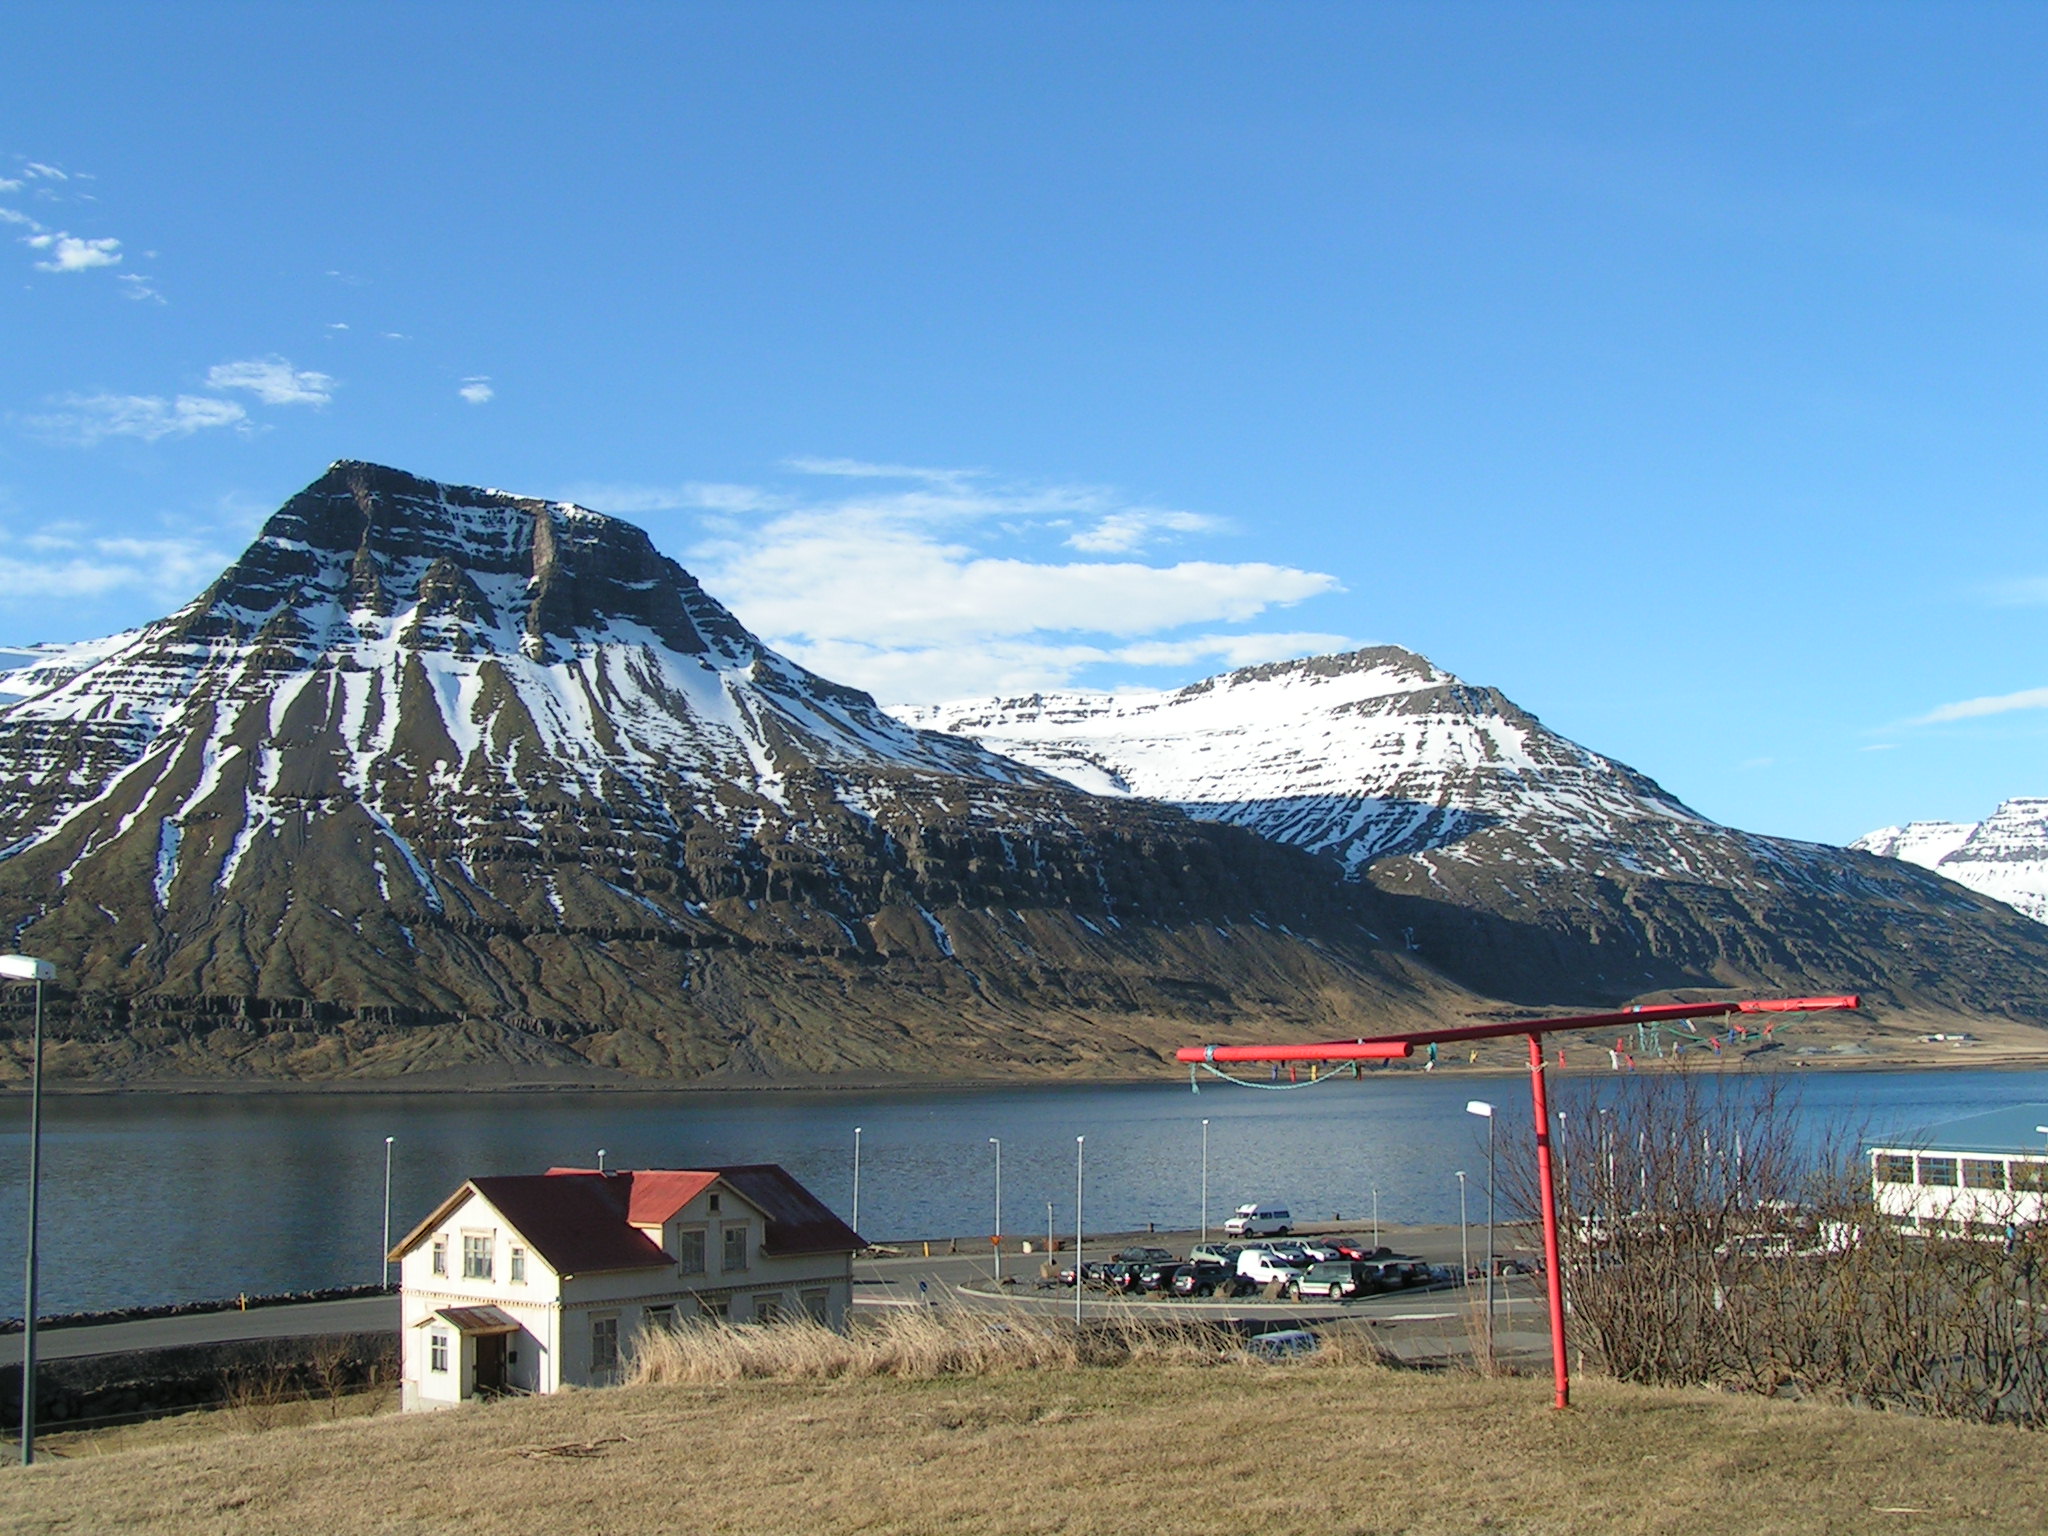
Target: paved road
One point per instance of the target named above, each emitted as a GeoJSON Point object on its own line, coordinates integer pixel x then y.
{"type": "Point", "coordinates": [357, 1314]}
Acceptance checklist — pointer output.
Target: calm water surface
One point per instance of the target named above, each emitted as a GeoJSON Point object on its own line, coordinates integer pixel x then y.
{"type": "Point", "coordinates": [154, 1198]}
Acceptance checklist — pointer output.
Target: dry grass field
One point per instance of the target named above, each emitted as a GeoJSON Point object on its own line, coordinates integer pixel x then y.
{"type": "Point", "coordinates": [829, 1439]}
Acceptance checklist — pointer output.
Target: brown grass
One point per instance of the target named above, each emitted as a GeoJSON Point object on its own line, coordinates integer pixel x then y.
{"type": "Point", "coordinates": [1149, 1446]}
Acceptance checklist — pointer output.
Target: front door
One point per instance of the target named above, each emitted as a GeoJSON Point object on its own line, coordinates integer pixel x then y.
{"type": "Point", "coordinates": [490, 1364]}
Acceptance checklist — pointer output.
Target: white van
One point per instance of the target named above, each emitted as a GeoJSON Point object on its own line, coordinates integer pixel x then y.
{"type": "Point", "coordinates": [1258, 1221]}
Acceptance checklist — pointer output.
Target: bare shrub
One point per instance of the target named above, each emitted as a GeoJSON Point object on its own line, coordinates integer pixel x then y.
{"type": "Point", "coordinates": [1706, 1242]}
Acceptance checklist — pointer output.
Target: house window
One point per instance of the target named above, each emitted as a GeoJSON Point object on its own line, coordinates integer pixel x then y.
{"type": "Point", "coordinates": [437, 1352]}
{"type": "Point", "coordinates": [714, 1204]}
{"type": "Point", "coordinates": [1983, 1173]}
{"type": "Point", "coordinates": [519, 1266]}
{"type": "Point", "coordinates": [690, 1252]}
{"type": "Point", "coordinates": [714, 1307]}
{"type": "Point", "coordinates": [1938, 1171]}
{"type": "Point", "coordinates": [2029, 1175]}
{"type": "Point", "coordinates": [767, 1309]}
{"type": "Point", "coordinates": [440, 1255]}
{"type": "Point", "coordinates": [1894, 1168]}
{"type": "Point", "coordinates": [818, 1306]}
{"type": "Point", "coordinates": [604, 1345]}
{"type": "Point", "coordinates": [476, 1257]}
{"type": "Point", "coordinates": [661, 1319]}
{"type": "Point", "coordinates": [736, 1247]}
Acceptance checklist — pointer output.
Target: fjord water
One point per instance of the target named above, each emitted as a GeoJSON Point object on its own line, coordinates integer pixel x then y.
{"type": "Point", "coordinates": [151, 1198]}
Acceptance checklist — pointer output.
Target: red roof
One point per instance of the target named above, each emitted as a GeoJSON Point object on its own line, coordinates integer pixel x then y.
{"type": "Point", "coordinates": [577, 1222]}
{"type": "Point", "coordinates": [798, 1221]}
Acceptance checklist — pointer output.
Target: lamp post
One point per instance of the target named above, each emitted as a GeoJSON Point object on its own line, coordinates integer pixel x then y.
{"type": "Point", "coordinates": [1375, 1218]}
{"type": "Point", "coordinates": [856, 1178]}
{"type": "Point", "coordinates": [1078, 1140]}
{"type": "Point", "coordinates": [1205, 1181]}
{"type": "Point", "coordinates": [1464, 1242]}
{"type": "Point", "coordinates": [1485, 1111]}
{"type": "Point", "coordinates": [28, 968]}
{"type": "Point", "coordinates": [996, 1238]}
{"type": "Point", "coordinates": [384, 1259]}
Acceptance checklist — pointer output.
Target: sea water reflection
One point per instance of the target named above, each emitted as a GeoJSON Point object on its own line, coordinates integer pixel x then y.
{"type": "Point", "coordinates": [169, 1197]}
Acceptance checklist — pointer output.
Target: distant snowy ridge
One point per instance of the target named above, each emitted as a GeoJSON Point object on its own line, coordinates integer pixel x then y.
{"type": "Point", "coordinates": [2005, 856]}
{"type": "Point", "coordinates": [1363, 756]}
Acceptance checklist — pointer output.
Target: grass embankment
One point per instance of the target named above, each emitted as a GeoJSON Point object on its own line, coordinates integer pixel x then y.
{"type": "Point", "coordinates": [764, 1431]}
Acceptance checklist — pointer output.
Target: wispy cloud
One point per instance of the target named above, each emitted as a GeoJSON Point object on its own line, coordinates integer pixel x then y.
{"type": "Point", "coordinates": [84, 420]}
{"type": "Point", "coordinates": [273, 380]}
{"type": "Point", "coordinates": [1992, 704]}
{"type": "Point", "coordinates": [929, 589]}
{"type": "Point", "coordinates": [65, 567]}
{"type": "Point", "coordinates": [71, 253]}
{"type": "Point", "coordinates": [139, 287]}
{"type": "Point", "coordinates": [476, 389]}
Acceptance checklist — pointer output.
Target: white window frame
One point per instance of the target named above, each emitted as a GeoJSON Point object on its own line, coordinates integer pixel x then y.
{"type": "Point", "coordinates": [516, 1266]}
{"type": "Point", "coordinates": [477, 1256]}
{"type": "Point", "coordinates": [726, 1235]}
{"type": "Point", "coordinates": [437, 1353]}
{"type": "Point", "coordinates": [702, 1257]}
{"type": "Point", "coordinates": [440, 1257]}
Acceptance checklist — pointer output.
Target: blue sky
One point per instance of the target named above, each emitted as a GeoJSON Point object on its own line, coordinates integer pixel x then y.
{"type": "Point", "coordinates": [1679, 371]}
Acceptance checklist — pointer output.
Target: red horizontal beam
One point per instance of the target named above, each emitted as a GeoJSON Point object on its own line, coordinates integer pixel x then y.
{"type": "Point", "coordinates": [1395, 1047]}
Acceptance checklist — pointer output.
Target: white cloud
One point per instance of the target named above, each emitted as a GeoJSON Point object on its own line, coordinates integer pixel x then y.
{"type": "Point", "coordinates": [1123, 532]}
{"type": "Point", "coordinates": [72, 254]}
{"type": "Point", "coordinates": [911, 593]}
{"type": "Point", "coordinates": [138, 287]}
{"type": "Point", "coordinates": [337, 325]}
{"type": "Point", "coordinates": [89, 419]}
{"type": "Point", "coordinates": [15, 215]}
{"type": "Point", "coordinates": [9, 186]}
{"type": "Point", "coordinates": [1976, 709]}
{"type": "Point", "coordinates": [48, 172]}
{"type": "Point", "coordinates": [169, 569]}
{"type": "Point", "coordinates": [273, 380]}
{"type": "Point", "coordinates": [695, 495]}
{"type": "Point", "coordinates": [476, 389]}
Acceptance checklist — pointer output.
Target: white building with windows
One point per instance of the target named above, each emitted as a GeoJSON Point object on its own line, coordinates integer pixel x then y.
{"type": "Point", "coordinates": [1984, 1174]}
{"type": "Point", "coordinates": [534, 1282]}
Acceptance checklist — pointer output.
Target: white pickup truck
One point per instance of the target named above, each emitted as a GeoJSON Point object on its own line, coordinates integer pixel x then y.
{"type": "Point", "coordinates": [1262, 1266]}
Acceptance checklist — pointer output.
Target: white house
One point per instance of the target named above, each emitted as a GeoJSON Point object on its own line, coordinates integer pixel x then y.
{"type": "Point", "coordinates": [1984, 1174]}
{"type": "Point", "coordinates": [533, 1282]}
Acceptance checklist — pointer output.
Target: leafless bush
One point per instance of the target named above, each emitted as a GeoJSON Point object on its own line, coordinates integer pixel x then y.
{"type": "Point", "coordinates": [1706, 1241]}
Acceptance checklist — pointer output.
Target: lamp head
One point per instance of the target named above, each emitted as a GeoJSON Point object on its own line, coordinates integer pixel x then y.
{"type": "Point", "coordinates": [26, 968]}
{"type": "Point", "coordinates": [1481, 1108]}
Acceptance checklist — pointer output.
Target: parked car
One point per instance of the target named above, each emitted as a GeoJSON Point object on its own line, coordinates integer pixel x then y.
{"type": "Point", "coordinates": [1144, 1256]}
{"type": "Point", "coordinates": [1153, 1278]}
{"type": "Point", "coordinates": [1204, 1277]}
{"type": "Point", "coordinates": [1337, 1280]}
{"type": "Point", "coordinates": [1215, 1253]}
{"type": "Point", "coordinates": [1262, 1266]}
{"type": "Point", "coordinates": [1281, 1344]}
{"type": "Point", "coordinates": [1259, 1221]}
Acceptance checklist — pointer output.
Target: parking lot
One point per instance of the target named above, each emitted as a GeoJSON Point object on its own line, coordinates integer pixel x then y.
{"type": "Point", "coordinates": [1415, 1323]}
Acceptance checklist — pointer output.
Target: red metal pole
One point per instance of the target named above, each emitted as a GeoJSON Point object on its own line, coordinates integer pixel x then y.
{"type": "Point", "coordinates": [1553, 1274]}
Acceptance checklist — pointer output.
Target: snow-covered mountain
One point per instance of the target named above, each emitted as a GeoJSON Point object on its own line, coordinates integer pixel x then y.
{"type": "Point", "coordinates": [432, 755]}
{"type": "Point", "coordinates": [1360, 756]}
{"type": "Point", "coordinates": [2005, 856]}
{"type": "Point", "coordinates": [1522, 857]}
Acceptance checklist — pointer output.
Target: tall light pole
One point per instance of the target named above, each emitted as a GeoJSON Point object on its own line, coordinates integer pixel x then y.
{"type": "Point", "coordinates": [1464, 1242]}
{"type": "Point", "coordinates": [384, 1259]}
{"type": "Point", "coordinates": [28, 968]}
{"type": "Point", "coordinates": [856, 1178]}
{"type": "Point", "coordinates": [1485, 1110]}
{"type": "Point", "coordinates": [996, 1239]}
{"type": "Point", "coordinates": [1205, 1181]}
{"type": "Point", "coordinates": [1375, 1218]}
{"type": "Point", "coordinates": [1078, 1140]}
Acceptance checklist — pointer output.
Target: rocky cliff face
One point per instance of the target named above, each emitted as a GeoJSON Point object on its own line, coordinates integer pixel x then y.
{"type": "Point", "coordinates": [434, 774]}
{"type": "Point", "coordinates": [2005, 856]}
{"type": "Point", "coordinates": [1520, 862]}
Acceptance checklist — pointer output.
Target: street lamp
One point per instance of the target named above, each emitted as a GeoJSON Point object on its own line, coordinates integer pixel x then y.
{"type": "Point", "coordinates": [1375, 1218]}
{"type": "Point", "coordinates": [1485, 1111]}
{"type": "Point", "coordinates": [28, 968]}
{"type": "Point", "coordinates": [384, 1259]}
{"type": "Point", "coordinates": [1205, 1181]}
{"type": "Point", "coordinates": [996, 1239]}
{"type": "Point", "coordinates": [1078, 1140]}
{"type": "Point", "coordinates": [1464, 1242]}
{"type": "Point", "coordinates": [856, 1178]}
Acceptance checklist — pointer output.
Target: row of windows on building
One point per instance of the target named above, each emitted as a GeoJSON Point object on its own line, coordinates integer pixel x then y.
{"type": "Point", "coordinates": [604, 1329]}
{"type": "Point", "coordinates": [2026, 1175]}
{"type": "Point", "coordinates": [477, 1254]}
